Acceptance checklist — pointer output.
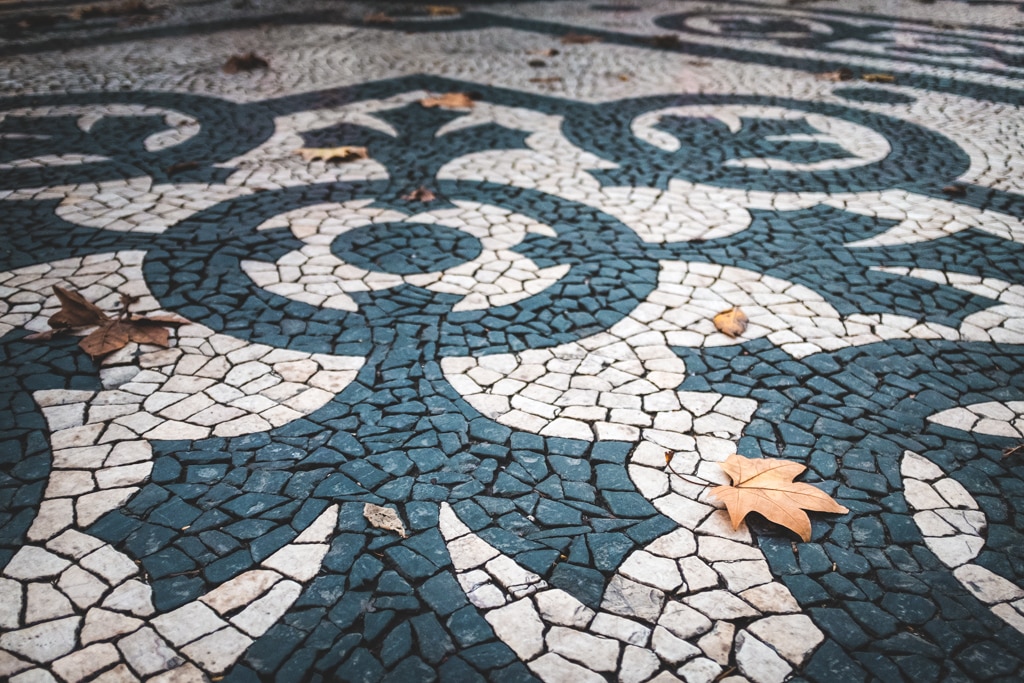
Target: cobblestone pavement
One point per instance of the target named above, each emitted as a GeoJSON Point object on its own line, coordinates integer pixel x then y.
{"type": "Point", "coordinates": [505, 367]}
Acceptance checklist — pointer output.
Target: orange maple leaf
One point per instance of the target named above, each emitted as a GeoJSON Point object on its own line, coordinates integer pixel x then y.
{"type": "Point", "coordinates": [766, 486]}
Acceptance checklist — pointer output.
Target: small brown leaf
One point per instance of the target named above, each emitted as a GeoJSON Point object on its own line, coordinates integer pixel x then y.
{"type": "Point", "coordinates": [45, 335]}
{"type": "Point", "coordinates": [181, 167]}
{"type": "Point", "coordinates": [420, 194]}
{"type": "Point", "coordinates": [840, 74]}
{"type": "Point", "coordinates": [1013, 450]}
{"type": "Point", "coordinates": [732, 322]}
{"type": "Point", "coordinates": [107, 338]}
{"type": "Point", "coordinates": [246, 62]}
{"type": "Point", "coordinates": [666, 40]}
{"type": "Point", "coordinates": [578, 39]}
{"type": "Point", "coordinates": [75, 311]}
{"type": "Point", "coordinates": [337, 154]}
{"type": "Point", "coordinates": [450, 100]}
{"type": "Point", "coordinates": [384, 518]}
{"type": "Point", "coordinates": [955, 190]}
{"type": "Point", "coordinates": [766, 486]}
{"type": "Point", "coordinates": [377, 18]}
{"type": "Point", "coordinates": [442, 10]}
{"type": "Point", "coordinates": [668, 457]}
{"type": "Point", "coordinates": [546, 79]}
{"type": "Point", "coordinates": [878, 78]}
{"type": "Point", "coordinates": [145, 332]}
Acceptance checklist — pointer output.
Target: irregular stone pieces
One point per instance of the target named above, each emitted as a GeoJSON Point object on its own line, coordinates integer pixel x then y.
{"type": "Point", "coordinates": [43, 642]}
{"type": "Point", "coordinates": [519, 627]}
{"type": "Point", "coordinates": [793, 636]}
{"type": "Point", "coordinates": [147, 653]}
{"type": "Point", "coordinates": [758, 662]}
{"type": "Point", "coordinates": [217, 651]}
{"type": "Point", "coordinates": [33, 562]}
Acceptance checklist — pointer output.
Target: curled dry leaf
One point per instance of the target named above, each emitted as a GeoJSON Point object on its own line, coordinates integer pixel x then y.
{"type": "Point", "coordinates": [420, 194]}
{"type": "Point", "coordinates": [377, 18]}
{"type": "Point", "coordinates": [578, 39]}
{"type": "Point", "coordinates": [110, 334]}
{"type": "Point", "coordinates": [666, 40]}
{"type": "Point", "coordinates": [878, 78]}
{"type": "Point", "coordinates": [954, 190]}
{"type": "Point", "coordinates": [732, 322]}
{"type": "Point", "coordinates": [337, 154]}
{"type": "Point", "coordinates": [1013, 451]}
{"type": "Point", "coordinates": [766, 486]}
{"type": "Point", "coordinates": [75, 311]}
{"type": "Point", "coordinates": [450, 100]}
{"type": "Point", "coordinates": [246, 62]}
{"type": "Point", "coordinates": [384, 518]}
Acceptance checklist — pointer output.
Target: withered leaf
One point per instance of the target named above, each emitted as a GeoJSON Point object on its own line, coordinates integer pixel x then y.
{"type": "Point", "coordinates": [766, 486]}
{"type": "Point", "coordinates": [732, 322]}
{"type": "Point", "coordinates": [181, 167]}
{"type": "Point", "coordinates": [578, 39]}
{"type": "Point", "coordinates": [384, 518]}
{"type": "Point", "coordinates": [666, 40]}
{"type": "Point", "coordinates": [1013, 450]}
{"type": "Point", "coordinates": [246, 62]}
{"type": "Point", "coordinates": [442, 10]}
{"type": "Point", "coordinates": [840, 74]}
{"type": "Point", "coordinates": [546, 79]}
{"type": "Point", "coordinates": [954, 190]}
{"type": "Point", "coordinates": [107, 338]}
{"type": "Point", "coordinates": [75, 311]}
{"type": "Point", "coordinates": [878, 78]}
{"type": "Point", "coordinates": [377, 18]}
{"type": "Point", "coordinates": [344, 153]}
{"type": "Point", "coordinates": [420, 194]}
{"type": "Point", "coordinates": [450, 100]}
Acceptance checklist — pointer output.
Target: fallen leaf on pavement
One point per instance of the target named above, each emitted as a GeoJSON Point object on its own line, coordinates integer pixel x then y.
{"type": "Point", "coordinates": [766, 486]}
{"type": "Point", "coordinates": [449, 100]}
{"type": "Point", "coordinates": [578, 39]}
{"type": "Point", "coordinates": [546, 79]}
{"type": "Point", "coordinates": [420, 194]}
{"type": "Point", "coordinates": [110, 334]}
{"type": "Point", "coordinates": [955, 190]}
{"type": "Point", "coordinates": [442, 10]}
{"type": "Point", "coordinates": [182, 166]}
{"type": "Point", "coordinates": [384, 518]}
{"type": "Point", "coordinates": [329, 154]}
{"type": "Point", "coordinates": [246, 62]}
{"type": "Point", "coordinates": [1013, 450]}
{"type": "Point", "coordinates": [665, 40]}
{"type": "Point", "coordinates": [75, 311]}
{"type": "Point", "coordinates": [377, 18]}
{"type": "Point", "coordinates": [878, 78]}
{"type": "Point", "coordinates": [732, 322]}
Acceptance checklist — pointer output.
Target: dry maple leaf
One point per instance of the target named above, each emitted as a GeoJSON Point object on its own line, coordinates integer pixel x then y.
{"type": "Point", "coordinates": [732, 322]}
{"type": "Point", "coordinates": [878, 78]}
{"type": "Point", "coordinates": [766, 486]}
{"type": "Point", "coordinates": [420, 194]}
{"type": "Point", "coordinates": [578, 39]}
{"type": "Point", "coordinates": [333, 153]}
{"type": "Point", "coordinates": [110, 334]}
{"type": "Point", "coordinates": [450, 100]}
{"type": "Point", "coordinates": [384, 518]}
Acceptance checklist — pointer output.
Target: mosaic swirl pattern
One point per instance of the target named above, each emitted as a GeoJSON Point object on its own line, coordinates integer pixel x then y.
{"type": "Point", "coordinates": [506, 366]}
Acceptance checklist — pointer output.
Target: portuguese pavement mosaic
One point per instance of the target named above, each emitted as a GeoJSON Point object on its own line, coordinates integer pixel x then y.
{"type": "Point", "coordinates": [506, 366]}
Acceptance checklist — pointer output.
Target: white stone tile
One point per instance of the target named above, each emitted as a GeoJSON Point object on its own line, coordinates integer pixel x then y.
{"type": "Point", "coordinates": [131, 597]}
{"type": "Point", "coordinates": [101, 624]}
{"type": "Point", "coordinates": [218, 651]}
{"type": "Point", "coordinates": [241, 590]}
{"type": "Point", "coordinates": [552, 667]}
{"type": "Point", "coordinates": [300, 562]}
{"type": "Point", "coordinates": [43, 602]}
{"type": "Point", "coordinates": [670, 648]}
{"type": "Point", "coordinates": [264, 612]}
{"type": "Point", "coordinates": [43, 642]}
{"type": "Point", "coordinates": [596, 653]}
{"type": "Point", "coordinates": [518, 625]}
{"type": "Point", "coordinates": [986, 585]}
{"type": "Point", "coordinates": [638, 665]}
{"type": "Point", "coordinates": [758, 662]}
{"type": "Point", "coordinates": [794, 636]}
{"type": "Point", "coordinates": [109, 564]}
{"type": "Point", "coordinates": [558, 607]}
{"type": "Point", "coordinates": [187, 623]}
{"type": "Point", "coordinates": [33, 562]}
{"type": "Point", "coordinates": [717, 604]}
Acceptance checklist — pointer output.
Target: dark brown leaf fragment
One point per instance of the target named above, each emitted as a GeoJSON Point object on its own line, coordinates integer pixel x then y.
{"type": "Point", "coordinates": [954, 190]}
{"type": "Point", "coordinates": [182, 166]}
{"type": "Point", "coordinates": [247, 62]}
{"type": "Point", "coordinates": [840, 74]}
{"type": "Point", "coordinates": [578, 39]}
{"type": "Point", "coordinates": [75, 311]}
{"type": "Point", "coordinates": [1013, 450]}
{"type": "Point", "coordinates": [420, 194]}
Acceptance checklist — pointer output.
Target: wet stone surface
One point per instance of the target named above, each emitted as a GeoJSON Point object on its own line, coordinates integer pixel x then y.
{"type": "Point", "coordinates": [505, 366]}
